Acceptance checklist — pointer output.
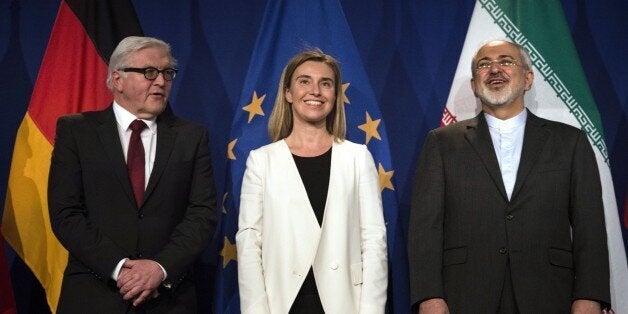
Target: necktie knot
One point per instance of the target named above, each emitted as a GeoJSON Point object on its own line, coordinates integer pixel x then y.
{"type": "Point", "coordinates": [137, 125]}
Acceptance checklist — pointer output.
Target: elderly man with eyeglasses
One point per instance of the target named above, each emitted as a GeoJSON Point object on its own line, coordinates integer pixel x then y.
{"type": "Point", "coordinates": [131, 192]}
{"type": "Point", "coordinates": [507, 213]}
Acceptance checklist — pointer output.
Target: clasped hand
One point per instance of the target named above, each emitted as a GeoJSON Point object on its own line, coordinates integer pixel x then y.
{"type": "Point", "coordinates": [139, 280]}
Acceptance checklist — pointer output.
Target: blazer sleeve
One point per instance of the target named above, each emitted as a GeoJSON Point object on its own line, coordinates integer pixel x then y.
{"type": "Point", "coordinates": [425, 230]}
{"type": "Point", "coordinates": [192, 234]}
{"type": "Point", "coordinates": [253, 297]}
{"type": "Point", "coordinates": [590, 251]}
{"type": "Point", "coordinates": [373, 237]}
{"type": "Point", "coordinates": [69, 218]}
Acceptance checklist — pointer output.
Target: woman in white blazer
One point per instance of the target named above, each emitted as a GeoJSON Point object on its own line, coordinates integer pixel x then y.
{"type": "Point", "coordinates": [311, 233]}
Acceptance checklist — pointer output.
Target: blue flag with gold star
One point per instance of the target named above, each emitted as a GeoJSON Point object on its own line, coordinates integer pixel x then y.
{"type": "Point", "coordinates": [287, 28]}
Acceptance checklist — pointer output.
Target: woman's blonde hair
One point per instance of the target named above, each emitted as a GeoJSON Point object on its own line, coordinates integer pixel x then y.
{"type": "Point", "coordinates": [281, 120]}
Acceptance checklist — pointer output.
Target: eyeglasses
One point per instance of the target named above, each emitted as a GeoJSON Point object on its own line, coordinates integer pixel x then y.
{"type": "Point", "coordinates": [503, 63]}
{"type": "Point", "coordinates": [151, 73]}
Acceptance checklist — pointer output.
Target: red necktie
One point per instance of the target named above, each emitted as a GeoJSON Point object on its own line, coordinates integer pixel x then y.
{"type": "Point", "coordinates": [135, 160]}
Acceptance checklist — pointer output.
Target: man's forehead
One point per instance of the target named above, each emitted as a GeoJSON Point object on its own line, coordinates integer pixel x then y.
{"type": "Point", "coordinates": [496, 49]}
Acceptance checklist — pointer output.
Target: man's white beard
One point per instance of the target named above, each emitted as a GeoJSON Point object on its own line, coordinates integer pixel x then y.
{"type": "Point", "coordinates": [499, 98]}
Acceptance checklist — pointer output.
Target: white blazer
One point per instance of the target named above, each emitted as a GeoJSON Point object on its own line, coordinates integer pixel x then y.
{"type": "Point", "coordinates": [279, 238]}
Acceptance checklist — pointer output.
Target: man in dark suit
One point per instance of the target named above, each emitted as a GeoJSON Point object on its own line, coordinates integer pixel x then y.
{"type": "Point", "coordinates": [131, 192]}
{"type": "Point", "coordinates": [507, 213]}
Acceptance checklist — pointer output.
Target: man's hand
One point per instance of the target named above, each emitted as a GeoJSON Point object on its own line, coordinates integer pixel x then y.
{"type": "Point", "coordinates": [586, 307]}
{"type": "Point", "coordinates": [433, 306]}
{"type": "Point", "coordinates": [139, 280]}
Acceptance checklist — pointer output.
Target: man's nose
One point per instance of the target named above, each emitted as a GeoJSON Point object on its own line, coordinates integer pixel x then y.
{"type": "Point", "coordinates": [495, 67]}
{"type": "Point", "coordinates": [159, 80]}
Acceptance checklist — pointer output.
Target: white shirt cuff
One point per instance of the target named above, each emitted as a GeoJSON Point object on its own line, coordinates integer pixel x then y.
{"type": "Point", "coordinates": [116, 271]}
{"type": "Point", "coordinates": [164, 270]}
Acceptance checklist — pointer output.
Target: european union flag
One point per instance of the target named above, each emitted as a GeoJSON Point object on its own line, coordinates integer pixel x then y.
{"type": "Point", "coordinates": [287, 28]}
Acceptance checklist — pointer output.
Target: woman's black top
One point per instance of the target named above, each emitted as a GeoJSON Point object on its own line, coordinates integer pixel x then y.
{"type": "Point", "coordinates": [314, 172]}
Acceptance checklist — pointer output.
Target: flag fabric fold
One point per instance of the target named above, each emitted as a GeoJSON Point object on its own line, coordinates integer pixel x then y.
{"type": "Point", "coordinates": [287, 28]}
{"type": "Point", "coordinates": [560, 92]}
{"type": "Point", "coordinates": [71, 79]}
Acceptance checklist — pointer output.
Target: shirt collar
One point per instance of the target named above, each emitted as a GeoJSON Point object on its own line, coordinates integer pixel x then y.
{"type": "Point", "coordinates": [508, 124]}
{"type": "Point", "coordinates": [124, 118]}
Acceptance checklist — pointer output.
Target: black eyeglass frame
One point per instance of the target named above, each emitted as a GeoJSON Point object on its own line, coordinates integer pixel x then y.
{"type": "Point", "coordinates": [168, 73]}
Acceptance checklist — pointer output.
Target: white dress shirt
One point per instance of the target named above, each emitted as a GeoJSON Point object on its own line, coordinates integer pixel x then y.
{"type": "Point", "coordinates": [149, 137]}
{"type": "Point", "coordinates": [507, 137]}
{"type": "Point", "coordinates": [149, 140]}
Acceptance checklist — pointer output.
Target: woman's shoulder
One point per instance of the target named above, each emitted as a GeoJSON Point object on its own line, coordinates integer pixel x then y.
{"type": "Point", "coordinates": [349, 146]}
{"type": "Point", "coordinates": [352, 151]}
{"type": "Point", "coordinates": [271, 148]}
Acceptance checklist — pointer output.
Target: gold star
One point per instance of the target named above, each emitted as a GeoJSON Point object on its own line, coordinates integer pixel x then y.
{"type": "Point", "coordinates": [385, 178]}
{"type": "Point", "coordinates": [255, 107]}
{"type": "Point", "coordinates": [224, 197]}
{"type": "Point", "coordinates": [228, 253]}
{"type": "Point", "coordinates": [370, 128]}
{"type": "Point", "coordinates": [230, 147]}
{"type": "Point", "coordinates": [345, 99]}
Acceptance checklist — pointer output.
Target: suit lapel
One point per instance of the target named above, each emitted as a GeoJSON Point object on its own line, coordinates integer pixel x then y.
{"type": "Point", "coordinates": [534, 139]}
{"type": "Point", "coordinates": [108, 134]}
{"type": "Point", "coordinates": [166, 135]}
{"type": "Point", "coordinates": [478, 136]}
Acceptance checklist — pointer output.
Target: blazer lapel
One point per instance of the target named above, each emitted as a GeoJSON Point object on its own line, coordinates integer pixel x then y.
{"type": "Point", "coordinates": [335, 175]}
{"type": "Point", "coordinates": [478, 136]}
{"type": "Point", "coordinates": [292, 173]}
{"type": "Point", "coordinates": [534, 139]}
{"type": "Point", "coordinates": [110, 139]}
{"type": "Point", "coordinates": [166, 135]}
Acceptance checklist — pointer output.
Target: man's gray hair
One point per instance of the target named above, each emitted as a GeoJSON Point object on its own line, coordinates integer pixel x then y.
{"type": "Point", "coordinates": [131, 44]}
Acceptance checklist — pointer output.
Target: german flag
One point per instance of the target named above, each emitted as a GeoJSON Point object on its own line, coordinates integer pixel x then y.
{"type": "Point", "coordinates": [71, 79]}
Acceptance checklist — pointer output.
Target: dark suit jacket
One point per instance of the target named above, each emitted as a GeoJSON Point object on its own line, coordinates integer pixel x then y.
{"type": "Point", "coordinates": [94, 214]}
{"type": "Point", "coordinates": [463, 230]}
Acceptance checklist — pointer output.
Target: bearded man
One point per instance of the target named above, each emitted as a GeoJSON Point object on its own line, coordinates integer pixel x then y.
{"type": "Point", "coordinates": [506, 214]}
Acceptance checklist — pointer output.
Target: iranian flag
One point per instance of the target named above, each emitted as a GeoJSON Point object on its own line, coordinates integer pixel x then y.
{"type": "Point", "coordinates": [560, 92]}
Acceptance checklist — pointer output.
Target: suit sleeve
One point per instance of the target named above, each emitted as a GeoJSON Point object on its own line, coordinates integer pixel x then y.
{"type": "Point", "coordinates": [253, 297]}
{"type": "Point", "coordinates": [373, 236]}
{"type": "Point", "coordinates": [198, 224]}
{"type": "Point", "coordinates": [425, 231]}
{"type": "Point", "coordinates": [69, 217]}
{"type": "Point", "coordinates": [588, 228]}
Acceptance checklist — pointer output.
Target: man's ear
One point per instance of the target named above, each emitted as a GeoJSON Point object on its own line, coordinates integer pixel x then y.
{"type": "Point", "coordinates": [117, 79]}
{"type": "Point", "coordinates": [472, 83]}
{"type": "Point", "coordinates": [529, 79]}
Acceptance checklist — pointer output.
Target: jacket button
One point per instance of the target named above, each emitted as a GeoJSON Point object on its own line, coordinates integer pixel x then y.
{"type": "Point", "coordinates": [503, 250]}
{"type": "Point", "coordinates": [510, 217]}
{"type": "Point", "coordinates": [140, 216]}
{"type": "Point", "coordinates": [333, 266]}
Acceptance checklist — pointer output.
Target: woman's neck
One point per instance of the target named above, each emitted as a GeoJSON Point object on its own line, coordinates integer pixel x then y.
{"type": "Point", "coordinates": [309, 142]}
